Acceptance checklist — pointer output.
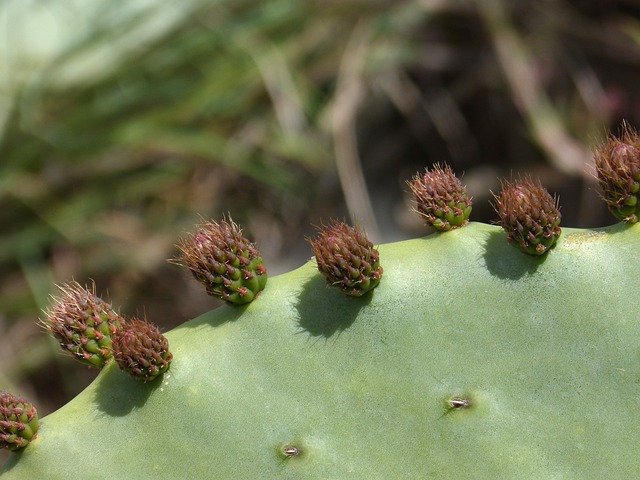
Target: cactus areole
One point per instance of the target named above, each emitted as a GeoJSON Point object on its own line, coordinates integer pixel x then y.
{"type": "Point", "coordinates": [470, 360]}
{"type": "Point", "coordinates": [18, 421]}
{"type": "Point", "coordinates": [618, 171]}
{"type": "Point", "coordinates": [441, 198]}
{"type": "Point", "coordinates": [224, 261]}
{"type": "Point", "coordinates": [83, 324]}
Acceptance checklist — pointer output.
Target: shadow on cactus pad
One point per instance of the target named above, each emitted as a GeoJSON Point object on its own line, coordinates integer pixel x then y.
{"type": "Point", "coordinates": [320, 321]}
{"type": "Point", "coordinates": [508, 263]}
{"type": "Point", "coordinates": [117, 394]}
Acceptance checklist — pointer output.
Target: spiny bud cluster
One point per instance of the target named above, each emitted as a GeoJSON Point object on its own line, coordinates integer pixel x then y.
{"type": "Point", "coordinates": [224, 261]}
{"type": "Point", "coordinates": [18, 421]}
{"type": "Point", "coordinates": [347, 258]}
{"type": "Point", "coordinates": [141, 350]}
{"type": "Point", "coordinates": [441, 198]}
{"type": "Point", "coordinates": [618, 169]}
{"type": "Point", "coordinates": [529, 215]}
{"type": "Point", "coordinates": [83, 324]}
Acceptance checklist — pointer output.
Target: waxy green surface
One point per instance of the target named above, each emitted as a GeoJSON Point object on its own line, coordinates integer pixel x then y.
{"type": "Point", "coordinates": [547, 350]}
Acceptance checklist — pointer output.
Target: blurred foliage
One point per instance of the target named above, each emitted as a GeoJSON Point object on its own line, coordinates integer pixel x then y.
{"type": "Point", "coordinates": [123, 121]}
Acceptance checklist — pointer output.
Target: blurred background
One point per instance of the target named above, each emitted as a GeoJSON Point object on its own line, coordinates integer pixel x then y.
{"type": "Point", "coordinates": [123, 121]}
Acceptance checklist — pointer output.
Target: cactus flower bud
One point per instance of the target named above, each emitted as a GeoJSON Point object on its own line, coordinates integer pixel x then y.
{"type": "Point", "coordinates": [347, 258]}
{"type": "Point", "coordinates": [83, 324]}
{"type": "Point", "coordinates": [618, 170]}
{"type": "Point", "coordinates": [441, 198]}
{"type": "Point", "coordinates": [529, 215]}
{"type": "Point", "coordinates": [141, 350]}
{"type": "Point", "coordinates": [18, 421]}
{"type": "Point", "coordinates": [224, 261]}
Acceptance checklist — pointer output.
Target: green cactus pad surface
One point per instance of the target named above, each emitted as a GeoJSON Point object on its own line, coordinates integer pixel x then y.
{"type": "Point", "coordinates": [470, 360]}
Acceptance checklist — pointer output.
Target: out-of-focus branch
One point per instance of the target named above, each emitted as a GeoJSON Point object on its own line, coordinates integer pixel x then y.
{"type": "Point", "coordinates": [442, 110]}
{"type": "Point", "coordinates": [278, 81]}
{"type": "Point", "coordinates": [564, 152]}
{"type": "Point", "coordinates": [349, 94]}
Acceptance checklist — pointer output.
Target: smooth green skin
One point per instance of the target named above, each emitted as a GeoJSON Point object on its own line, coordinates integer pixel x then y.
{"type": "Point", "coordinates": [546, 348]}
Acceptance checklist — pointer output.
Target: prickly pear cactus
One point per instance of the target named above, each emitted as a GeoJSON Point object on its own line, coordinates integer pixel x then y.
{"type": "Point", "coordinates": [470, 360]}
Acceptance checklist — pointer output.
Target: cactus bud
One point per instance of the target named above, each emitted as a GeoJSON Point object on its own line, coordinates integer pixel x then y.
{"type": "Point", "coordinates": [347, 258]}
{"type": "Point", "coordinates": [618, 170]}
{"type": "Point", "coordinates": [141, 350]}
{"type": "Point", "coordinates": [224, 261]}
{"type": "Point", "coordinates": [529, 215]}
{"type": "Point", "coordinates": [83, 324]}
{"type": "Point", "coordinates": [441, 198]}
{"type": "Point", "coordinates": [18, 421]}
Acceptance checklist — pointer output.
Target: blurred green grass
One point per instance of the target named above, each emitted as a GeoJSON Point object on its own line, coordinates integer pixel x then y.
{"type": "Point", "coordinates": [121, 122]}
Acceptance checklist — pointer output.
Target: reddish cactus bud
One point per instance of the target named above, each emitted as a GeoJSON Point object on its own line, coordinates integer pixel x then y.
{"type": "Point", "coordinates": [529, 215]}
{"type": "Point", "coordinates": [618, 170]}
{"type": "Point", "coordinates": [18, 421]}
{"type": "Point", "coordinates": [141, 350]}
{"type": "Point", "coordinates": [224, 261]}
{"type": "Point", "coordinates": [83, 324]}
{"type": "Point", "coordinates": [441, 198]}
{"type": "Point", "coordinates": [347, 258]}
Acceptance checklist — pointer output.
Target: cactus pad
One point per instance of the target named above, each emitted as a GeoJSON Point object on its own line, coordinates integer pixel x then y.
{"type": "Point", "coordinates": [18, 421]}
{"type": "Point", "coordinates": [224, 261]}
{"type": "Point", "coordinates": [83, 324]}
{"type": "Point", "coordinates": [471, 361]}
